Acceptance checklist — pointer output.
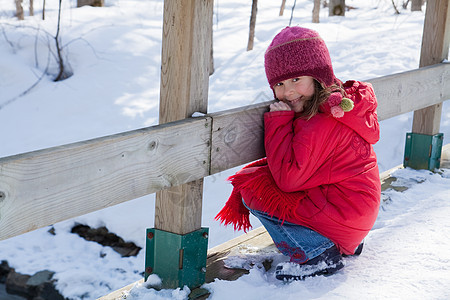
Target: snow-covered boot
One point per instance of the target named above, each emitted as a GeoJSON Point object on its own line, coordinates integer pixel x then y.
{"type": "Point", "coordinates": [357, 251]}
{"type": "Point", "coordinates": [326, 263]}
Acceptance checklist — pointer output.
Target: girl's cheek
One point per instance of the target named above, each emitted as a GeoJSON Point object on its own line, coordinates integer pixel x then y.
{"type": "Point", "coordinates": [278, 93]}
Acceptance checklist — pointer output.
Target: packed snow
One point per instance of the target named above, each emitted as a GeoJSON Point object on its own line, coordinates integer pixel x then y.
{"type": "Point", "coordinates": [114, 54]}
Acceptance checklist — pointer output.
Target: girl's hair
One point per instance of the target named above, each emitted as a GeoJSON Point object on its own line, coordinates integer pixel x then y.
{"type": "Point", "coordinates": [320, 96]}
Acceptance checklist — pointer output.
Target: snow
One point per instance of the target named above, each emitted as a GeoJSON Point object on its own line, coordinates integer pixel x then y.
{"type": "Point", "coordinates": [114, 53]}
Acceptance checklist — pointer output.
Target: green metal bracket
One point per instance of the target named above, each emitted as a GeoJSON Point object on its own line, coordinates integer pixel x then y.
{"type": "Point", "coordinates": [177, 259]}
{"type": "Point", "coordinates": [423, 151]}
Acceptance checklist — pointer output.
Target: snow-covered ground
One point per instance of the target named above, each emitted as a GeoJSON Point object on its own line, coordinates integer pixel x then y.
{"type": "Point", "coordinates": [114, 53]}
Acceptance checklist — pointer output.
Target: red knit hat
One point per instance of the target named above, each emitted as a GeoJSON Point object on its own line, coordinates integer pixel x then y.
{"type": "Point", "coordinates": [297, 51]}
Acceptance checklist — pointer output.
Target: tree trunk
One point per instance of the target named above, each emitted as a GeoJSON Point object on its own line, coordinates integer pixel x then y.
{"type": "Point", "coordinates": [337, 8]}
{"type": "Point", "coordinates": [19, 9]}
{"type": "Point", "coordinates": [251, 35]}
{"type": "Point", "coordinates": [31, 8]}
{"type": "Point", "coordinates": [96, 3]}
{"type": "Point", "coordinates": [283, 4]}
{"type": "Point", "coordinates": [416, 5]}
{"type": "Point", "coordinates": [316, 11]}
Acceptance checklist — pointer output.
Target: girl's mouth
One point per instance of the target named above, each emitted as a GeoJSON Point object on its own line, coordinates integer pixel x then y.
{"type": "Point", "coordinates": [294, 101]}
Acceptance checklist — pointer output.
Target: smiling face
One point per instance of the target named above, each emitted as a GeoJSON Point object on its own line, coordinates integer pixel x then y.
{"type": "Point", "coordinates": [295, 92]}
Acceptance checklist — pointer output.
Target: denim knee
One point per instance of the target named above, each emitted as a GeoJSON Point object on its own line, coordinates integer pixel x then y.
{"type": "Point", "coordinates": [298, 242]}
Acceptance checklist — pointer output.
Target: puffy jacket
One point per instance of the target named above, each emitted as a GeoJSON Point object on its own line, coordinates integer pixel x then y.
{"type": "Point", "coordinates": [321, 173]}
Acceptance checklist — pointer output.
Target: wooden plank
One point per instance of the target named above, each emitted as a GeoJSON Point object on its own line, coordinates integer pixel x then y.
{"type": "Point", "coordinates": [445, 157]}
{"type": "Point", "coordinates": [435, 42]}
{"type": "Point", "coordinates": [412, 90]}
{"type": "Point", "coordinates": [51, 185]}
{"type": "Point", "coordinates": [237, 136]}
{"type": "Point", "coordinates": [122, 293]}
{"type": "Point", "coordinates": [215, 264]}
{"type": "Point", "coordinates": [186, 49]}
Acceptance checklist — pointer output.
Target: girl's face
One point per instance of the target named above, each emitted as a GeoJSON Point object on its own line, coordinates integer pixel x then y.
{"type": "Point", "coordinates": [295, 92]}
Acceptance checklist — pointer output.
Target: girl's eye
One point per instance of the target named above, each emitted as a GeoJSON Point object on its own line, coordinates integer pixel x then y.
{"type": "Point", "coordinates": [279, 84]}
{"type": "Point", "coordinates": [295, 79]}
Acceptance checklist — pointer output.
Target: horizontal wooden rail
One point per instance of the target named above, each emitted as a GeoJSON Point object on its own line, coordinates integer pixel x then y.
{"type": "Point", "coordinates": [238, 134]}
{"type": "Point", "coordinates": [47, 186]}
{"type": "Point", "coordinates": [43, 187]}
{"type": "Point", "coordinates": [413, 90]}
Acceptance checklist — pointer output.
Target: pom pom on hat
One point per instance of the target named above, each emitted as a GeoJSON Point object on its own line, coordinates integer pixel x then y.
{"type": "Point", "coordinates": [339, 105]}
{"type": "Point", "coordinates": [335, 99]}
{"type": "Point", "coordinates": [295, 52]}
{"type": "Point", "coordinates": [337, 111]}
{"type": "Point", "coordinates": [347, 104]}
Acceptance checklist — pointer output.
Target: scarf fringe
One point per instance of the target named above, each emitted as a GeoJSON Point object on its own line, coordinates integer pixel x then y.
{"type": "Point", "coordinates": [263, 187]}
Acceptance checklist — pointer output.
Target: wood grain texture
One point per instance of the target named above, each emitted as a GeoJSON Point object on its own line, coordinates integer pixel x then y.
{"type": "Point", "coordinates": [51, 185]}
{"type": "Point", "coordinates": [435, 42]}
{"type": "Point", "coordinates": [412, 90]}
{"type": "Point", "coordinates": [237, 136]}
{"type": "Point", "coordinates": [186, 50]}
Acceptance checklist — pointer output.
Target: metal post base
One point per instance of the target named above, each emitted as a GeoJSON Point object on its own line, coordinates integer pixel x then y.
{"type": "Point", "coordinates": [423, 151]}
{"type": "Point", "coordinates": [177, 259]}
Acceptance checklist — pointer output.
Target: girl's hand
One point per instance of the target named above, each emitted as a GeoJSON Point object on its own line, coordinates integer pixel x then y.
{"type": "Point", "coordinates": [279, 106]}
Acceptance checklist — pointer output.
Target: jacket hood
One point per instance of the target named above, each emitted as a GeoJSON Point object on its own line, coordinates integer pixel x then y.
{"type": "Point", "coordinates": [362, 118]}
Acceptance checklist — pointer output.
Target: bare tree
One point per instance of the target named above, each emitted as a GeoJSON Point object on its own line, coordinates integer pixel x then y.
{"type": "Point", "coordinates": [292, 12]}
{"type": "Point", "coordinates": [19, 9]}
{"type": "Point", "coordinates": [63, 73]}
{"type": "Point", "coordinates": [251, 35]}
{"type": "Point", "coordinates": [416, 5]}
{"type": "Point", "coordinates": [31, 8]}
{"type": "Point", "coordinates": [98, 3]}
{"type": "Point", "coordinates": [43, 10]}
{"type": "Point", "coordinates": [283, 4]}
{"type": "Point", "coordinates": [337, 8]}
{"type": "Point", "coordinates": [395, 8]}
{"type": "Point", "coordinates": [316, 11]}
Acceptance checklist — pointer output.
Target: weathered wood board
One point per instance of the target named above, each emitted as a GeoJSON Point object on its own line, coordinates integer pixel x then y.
{"type": "Point", "coordinates": [41, 188]}
{"type": "Point", "coordinates": [186, 47]}
{"type": "Point", "coordinates": [237, 136]}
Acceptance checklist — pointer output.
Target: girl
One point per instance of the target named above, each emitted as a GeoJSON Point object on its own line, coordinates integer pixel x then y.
{"type": "Point", "coordinates": [317, 192]}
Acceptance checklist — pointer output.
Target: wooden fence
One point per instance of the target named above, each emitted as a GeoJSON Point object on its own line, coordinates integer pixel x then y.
{"type": "Point", "coordinates": [43, 187]}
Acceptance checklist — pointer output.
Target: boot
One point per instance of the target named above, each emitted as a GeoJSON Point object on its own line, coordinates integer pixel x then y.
{"type": "Point", "coordinates": [326, 263]}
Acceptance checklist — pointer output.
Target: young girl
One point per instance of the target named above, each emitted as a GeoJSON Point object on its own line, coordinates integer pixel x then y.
{"type": "Point", "coordinates": [317, 192]}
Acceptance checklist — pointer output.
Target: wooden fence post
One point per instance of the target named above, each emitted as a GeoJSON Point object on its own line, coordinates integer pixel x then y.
{"type": "Point", "coordinates": [435, 43]}
{"type": "Point", "coordinates": [185, 61]}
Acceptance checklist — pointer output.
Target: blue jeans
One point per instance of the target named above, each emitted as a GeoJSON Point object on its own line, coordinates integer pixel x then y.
{"type": "Point", "coordinates": [298, 242]}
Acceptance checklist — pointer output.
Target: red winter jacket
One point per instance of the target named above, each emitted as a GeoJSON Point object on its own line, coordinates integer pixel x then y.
{"type": "Point", "coordinates": [321, 173]}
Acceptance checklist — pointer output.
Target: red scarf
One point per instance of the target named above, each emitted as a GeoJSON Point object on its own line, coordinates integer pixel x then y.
{"type": "Point", "coordinates": [263, 187]}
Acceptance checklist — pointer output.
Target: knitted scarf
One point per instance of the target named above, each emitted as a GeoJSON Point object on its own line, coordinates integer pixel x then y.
{"type": "Point", "coordinates": [263, 187]}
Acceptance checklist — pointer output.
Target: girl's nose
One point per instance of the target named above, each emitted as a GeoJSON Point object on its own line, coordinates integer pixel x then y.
{"type": "Point", "coordinates": [288, 90]}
